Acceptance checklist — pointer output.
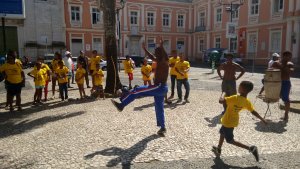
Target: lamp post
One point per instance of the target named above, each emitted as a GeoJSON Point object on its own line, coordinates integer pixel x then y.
{"type": "Point", "coordinates": [3, 31]}
{"type": "Point", "coordinates": [232, 7]}
{"type": "Point", "coordinates": [122, 3]}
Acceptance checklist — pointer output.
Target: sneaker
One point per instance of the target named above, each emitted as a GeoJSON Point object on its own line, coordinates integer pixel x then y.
{"type": "Point", "coordinates": [117, 105]}
{"type": "Point", "coordinates": [162, 131]}
{"type": "Point", "coordinates": [254, 151]}
{"type": "Point", "coordinates": [179, 101]}
{"type": "Point", "coordinates": [187, 100]}
{"type": "Point", "coordinates": [216, 150]}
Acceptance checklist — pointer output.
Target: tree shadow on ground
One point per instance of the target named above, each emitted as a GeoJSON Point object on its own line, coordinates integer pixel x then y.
{"type": "Point", "coordinates": [28, 108]}
{"type": "Point", "coordinates": [125, 156]}
{"type": "Point", "coordinates": [213, 121]}
{"type": "Point", "coordinates": [11, 128]}
{"type": "Point", "coordinates": [172, 105]}
{"type": "Point", "coordinates": [272, 127]}
{"type": "Point", "coordinates": [220, 164]}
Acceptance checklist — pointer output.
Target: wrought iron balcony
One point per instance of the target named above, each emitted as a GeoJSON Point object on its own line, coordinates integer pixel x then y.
{"type": "Point", "coordinates": [200, 29]}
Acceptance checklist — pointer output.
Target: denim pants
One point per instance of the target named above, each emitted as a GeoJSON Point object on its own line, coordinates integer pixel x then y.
{"type": "Point", "coordinates": [158, 91]}
{"type": "Point", "coordinates": [173, 80]}
{"type": "Point", "coordinates": [186, 85]}
{"type": "Point", "coordinates": [63, 90]}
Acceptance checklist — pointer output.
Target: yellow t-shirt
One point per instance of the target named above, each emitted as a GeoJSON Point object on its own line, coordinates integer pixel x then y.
{"type": "Point", "coordinates": [94, 61]}
{"type": "Point", "coordinates": [54, 64]}
{"type": "Point", "coordinates": [146, 70]}
{"type": "Point", "coordinates": [39, 77]}
{"type": "Point", "coordinates": [182, 66]}
{"type": "Point", "coordinates": [13, 72]}
{"type": "Point", "coordinates": [173, 60]}
{"type": "Point", "coordinates": [62, 74]}
{"type": "Point", "coordinates": [128, 66]}
{"type": "Point", "coordinates": [98, 76]}
{"type": "Point", "coordinates": [46, 68]}
{"type": "Point", "coordinates": [235, 104]}
{"type": "Point", "coordinates": [80, 72]}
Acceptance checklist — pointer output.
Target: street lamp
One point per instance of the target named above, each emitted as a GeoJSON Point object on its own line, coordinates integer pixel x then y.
{"type": "Point", "coordinates": [232, 6]}
{"type": "Point", "coordinates": [3, 31]}
{"type": "Point", "coordinates": [122, 3]}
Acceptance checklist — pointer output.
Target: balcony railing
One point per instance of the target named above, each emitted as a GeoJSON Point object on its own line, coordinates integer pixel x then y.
{"type": "Point", "coordinates": [200, 29]}
{"type": "Point", "coordinates": [134, 30]}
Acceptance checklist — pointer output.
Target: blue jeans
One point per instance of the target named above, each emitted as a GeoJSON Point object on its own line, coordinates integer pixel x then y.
{"type": "Point", "coordinates": [186, 85]}
{"type": "Point", "coordinates": [158, 91]}
{"type": "Point", "coordinates": [63, 90]}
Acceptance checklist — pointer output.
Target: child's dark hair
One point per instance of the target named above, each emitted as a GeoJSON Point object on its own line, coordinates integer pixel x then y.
{"type": "Point", "coordinates": [247, 85]}
{"type": "Point", "coordinates": [60, 62]}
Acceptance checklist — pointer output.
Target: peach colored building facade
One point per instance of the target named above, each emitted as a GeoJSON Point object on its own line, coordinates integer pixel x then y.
{"type": "Point", "coordinates": [262, 27]}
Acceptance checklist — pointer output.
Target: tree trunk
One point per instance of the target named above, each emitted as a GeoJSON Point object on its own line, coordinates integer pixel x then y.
{"type": "Point", "coordinates": [110, 46]}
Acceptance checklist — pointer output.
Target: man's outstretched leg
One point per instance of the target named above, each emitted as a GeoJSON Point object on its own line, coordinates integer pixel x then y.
{"type": "Point", "coordinates": [160, 114]}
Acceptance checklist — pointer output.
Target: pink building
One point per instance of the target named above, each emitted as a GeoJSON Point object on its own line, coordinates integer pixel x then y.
{"type": "Point", "coordinates": [191, 26]}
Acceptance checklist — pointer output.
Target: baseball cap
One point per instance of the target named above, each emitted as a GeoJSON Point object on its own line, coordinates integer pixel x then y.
{"type": "Point", "coordinates": [275, 55]}
{"type": "Point", "coordinates": [67, 53]}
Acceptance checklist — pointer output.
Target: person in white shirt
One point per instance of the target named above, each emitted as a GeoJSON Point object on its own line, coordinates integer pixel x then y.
{"type": "Point", "coordinates": [275, 57]}
{"type": "Point", "coordinates": [69, 64]}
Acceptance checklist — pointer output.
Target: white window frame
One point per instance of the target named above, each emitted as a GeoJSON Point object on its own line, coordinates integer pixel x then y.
{"type": "Point", "coordinates": [98, 15]}
{"type": "Point", "coordinates": [137, 18]}
{"type": "Point", "coordinates": [151, 39]}
{"type": "Point", "coordinates": [153, 18]}
{"type": "Point", "coordinates": [278, 48]}
{"type": "Point", "coordinates": [202, 17]}
{"type": "Point", "coordinates": [79, 13]}
{"type": "Point", "coordinates": [276, 6]}
{"type": "Point", "coordinates": [201, 47]}
{"type": "Point", "coordinates": [183, 20]}
{"type": "Point", "coordinates": [248, 41]}
{"type": "Point", "coordinates": [251, 5]}
{"type": "Point", "coordinates": [236, 14]}
{"type": "Point", "coordinates": [168, 49]}
{"type": "Point", "coordinates": [184, 45]}
{"type": "Point", "coordinates": [236, 45]}
{"type": "Point", "coordinates": [93, 43]}
{"type": "Point", "coordinates": [169, 19]}
{"type": "Point", "coordinates": [217, 15]}
{"type": "Point", "coordinates": [217, 37]}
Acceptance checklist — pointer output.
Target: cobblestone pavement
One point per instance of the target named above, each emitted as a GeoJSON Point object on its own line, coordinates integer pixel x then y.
{"type": "Point", "coordinates": [92, 134]}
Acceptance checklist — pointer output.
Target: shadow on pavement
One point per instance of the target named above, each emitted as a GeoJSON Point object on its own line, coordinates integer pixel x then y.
{"type": "Point", "coordinates": [11, 128]}
{"type": "Point", "coordinates": [294, 107]}
{"type": "Point", "coordinates": [220, 164]}
{"type": "Point", "coordinates": [214, 121]}
{"type": "Point", "coordinates": [172, 105]}
{"type": "Point", "coordinates": [272, 127]}
{"type": "Point", "coordinates": [125, 156]}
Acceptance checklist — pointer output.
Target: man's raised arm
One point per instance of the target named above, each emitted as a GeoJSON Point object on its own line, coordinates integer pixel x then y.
{"type": "Point", "coordinates": [151, 56]}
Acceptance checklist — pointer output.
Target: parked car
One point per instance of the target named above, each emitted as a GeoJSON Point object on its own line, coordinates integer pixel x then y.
{"type": "Point", "coordinates": [48, 59]}
{"type": "Point", "coordinates": [138, 60]}
{"type": "Point", "coordinates": [220, 57]}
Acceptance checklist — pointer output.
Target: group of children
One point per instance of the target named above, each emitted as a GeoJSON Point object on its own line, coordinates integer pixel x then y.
{"type": "Point", "coordinates": [60, 73]}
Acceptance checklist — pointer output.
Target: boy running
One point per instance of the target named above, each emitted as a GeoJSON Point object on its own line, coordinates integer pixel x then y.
{"type": "Point", "coordinates": [234, 105]}
{"type": "Point", "coordinates": [158, 90]}
{"type": "Point", "coordinates": [39, 76]}
{"type": "Point", "coordinates": [98, 76]}
{"type": "Point", "coordinates": [62, 76]}
{"type": "Point", "coordinates": [79, 78]}
{"type": "Point", "coordinates": [146, 71]}
{"type": "Point", "coordinates": [128, 67]}
{"type": "Point", "coordinates": [286, 67]}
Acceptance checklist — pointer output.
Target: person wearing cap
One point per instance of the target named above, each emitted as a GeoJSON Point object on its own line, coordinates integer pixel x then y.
{"type": "Point", "coordinates": [69, 64]}
{"type": "Point", "coordinates": [275, 57]}
{"type": "Point", "coordinates": [84, 62]}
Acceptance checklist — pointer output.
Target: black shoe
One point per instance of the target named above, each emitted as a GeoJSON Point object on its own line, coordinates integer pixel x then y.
{"type": "Point", "coordinates": [88, 86]}
{"type": "Point", "coordinates": [162, 131]}
{"type": "Point", "coordinates": [117, 105]}
{"type": "Point", "coordinates": [254, 151]}
{"type": "Point", "coordinates": [216, 150]}
{"type": "Point", "coordinates": [70, 87]}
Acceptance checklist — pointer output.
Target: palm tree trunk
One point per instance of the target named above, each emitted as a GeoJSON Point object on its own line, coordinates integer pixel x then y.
{"type": "Point", "coordinates": [110, 46]}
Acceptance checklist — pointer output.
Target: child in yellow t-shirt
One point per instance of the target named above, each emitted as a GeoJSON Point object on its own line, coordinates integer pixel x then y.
{"type": "Point", "coordinates": [79, 77]}
{"type": "Point", "coordinates": [98, 75]}
{"type": "Point", "coordinates": [234, 105]}
{"type": "Point", "coordinates": [146, 71]}
{"type": "Point", "coordinates": [39, 80]}
{"type": "Point", "coordinates": [62, 76]}
{"type": "Point", "coordinates": [128, 67]}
